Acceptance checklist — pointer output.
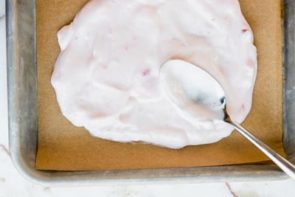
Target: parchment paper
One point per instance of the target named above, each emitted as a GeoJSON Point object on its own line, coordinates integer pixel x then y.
{"type": "Point", "coordinates": [62, 146]}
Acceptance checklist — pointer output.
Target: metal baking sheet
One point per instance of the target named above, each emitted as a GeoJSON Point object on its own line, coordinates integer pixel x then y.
{"type": "Point", "coordinates": [23, 128]}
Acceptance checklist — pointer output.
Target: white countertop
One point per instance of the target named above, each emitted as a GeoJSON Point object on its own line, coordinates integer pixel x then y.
{"type": "Point", "coordinates": [12, 184]}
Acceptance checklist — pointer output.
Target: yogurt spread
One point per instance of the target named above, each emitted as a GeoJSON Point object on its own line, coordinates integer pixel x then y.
{"type": "Point", "coordinates": [110, 76]}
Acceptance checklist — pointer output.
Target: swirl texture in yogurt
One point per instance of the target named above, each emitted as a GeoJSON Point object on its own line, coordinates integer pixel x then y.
{"type": "Point", "coordinates": [108, 75]}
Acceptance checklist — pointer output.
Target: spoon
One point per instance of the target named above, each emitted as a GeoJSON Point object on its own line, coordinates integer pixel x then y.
{"type": "Point", "coordinates": [178, 75]}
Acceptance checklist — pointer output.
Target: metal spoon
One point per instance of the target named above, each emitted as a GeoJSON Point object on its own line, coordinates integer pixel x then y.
{"type": "Point", "coordinates": [177, 93]}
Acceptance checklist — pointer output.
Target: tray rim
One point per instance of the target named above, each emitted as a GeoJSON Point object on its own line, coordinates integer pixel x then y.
{"type": "Point", "coordinates": [22, 153]}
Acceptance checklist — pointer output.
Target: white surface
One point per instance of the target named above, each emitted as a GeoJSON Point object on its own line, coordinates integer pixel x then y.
{"type": "Point", "coordinates": [3, 81]}
{"type": "Point", "coordinates": [13, 185]}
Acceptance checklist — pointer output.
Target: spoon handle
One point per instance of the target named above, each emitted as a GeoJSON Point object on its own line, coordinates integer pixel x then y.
{"type": "Point", "coordinates": [280, 161]}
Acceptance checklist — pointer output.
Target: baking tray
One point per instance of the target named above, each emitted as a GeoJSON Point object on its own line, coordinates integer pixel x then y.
{"type": "Point", "coordinates": [23, 113]}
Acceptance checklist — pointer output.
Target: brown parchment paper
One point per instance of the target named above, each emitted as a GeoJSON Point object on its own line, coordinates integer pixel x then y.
{"type": "Point", "coordinates": [62, 146]}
